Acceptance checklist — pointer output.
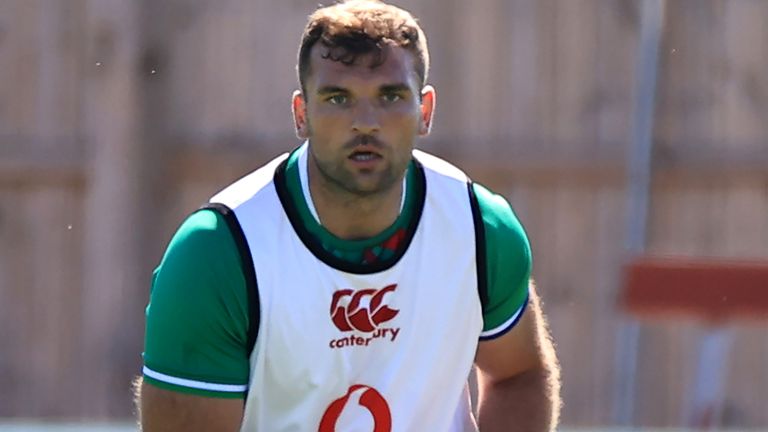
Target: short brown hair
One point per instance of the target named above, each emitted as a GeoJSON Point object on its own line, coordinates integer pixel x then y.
{"type": "Point", "coordinates": [359, 27]}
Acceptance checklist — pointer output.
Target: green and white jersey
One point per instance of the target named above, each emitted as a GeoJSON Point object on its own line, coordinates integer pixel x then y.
{"type": "Point", "coordinates": [253, 291]}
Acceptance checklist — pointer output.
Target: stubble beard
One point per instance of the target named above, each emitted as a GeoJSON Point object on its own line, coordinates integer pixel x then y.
{"type": "Point", "coordinates": [341, 180]}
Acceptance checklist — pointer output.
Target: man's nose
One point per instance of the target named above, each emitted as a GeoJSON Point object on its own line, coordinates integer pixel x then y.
{"type": "Point", "coordinates": [366, 119]}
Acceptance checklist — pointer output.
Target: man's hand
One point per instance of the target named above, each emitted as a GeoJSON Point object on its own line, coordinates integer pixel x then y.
{"type": "Point", "coordinates": [519, 378]}
{"type": "Point", "coordinates": [167, 411]}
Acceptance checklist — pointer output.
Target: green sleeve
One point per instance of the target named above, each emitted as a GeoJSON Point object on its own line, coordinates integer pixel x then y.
{"type": "Point", "coordinates": [197, 319]}
{"type": "Point", "coordinates": [508, 263]}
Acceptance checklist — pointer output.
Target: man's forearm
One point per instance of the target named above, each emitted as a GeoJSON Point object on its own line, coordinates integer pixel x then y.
{"type": "Point", "coordinates": [528, 402]}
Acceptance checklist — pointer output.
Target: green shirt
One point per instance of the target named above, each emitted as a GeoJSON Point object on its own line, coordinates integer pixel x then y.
{"type": "Point", "coordinates": [197, 317]}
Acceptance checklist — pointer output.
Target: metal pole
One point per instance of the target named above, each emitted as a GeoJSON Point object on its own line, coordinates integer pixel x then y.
{"type": "Point", "coordinates": [703, 410]}
{"type": "Point", "coordinates": [638, 192]}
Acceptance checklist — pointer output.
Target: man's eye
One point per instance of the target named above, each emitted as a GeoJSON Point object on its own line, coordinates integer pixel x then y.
{"type": "Point", "coordinates": [391, 97]}
{"type": "Point", "coordinates": [337, 99]}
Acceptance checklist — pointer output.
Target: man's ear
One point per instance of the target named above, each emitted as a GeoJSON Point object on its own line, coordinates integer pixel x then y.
{"type": "Point", "coordinates": [299, 109]}
{"type": "Point", "coordinates": [427, 110]}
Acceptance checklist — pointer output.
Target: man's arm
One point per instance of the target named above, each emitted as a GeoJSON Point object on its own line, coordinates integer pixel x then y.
{"type": "Point", "coordinates": [168, 411]}
{"type": "Point", "coordinates": [196, 364]}
{"type": "Point", "coordinates": [519, 377]}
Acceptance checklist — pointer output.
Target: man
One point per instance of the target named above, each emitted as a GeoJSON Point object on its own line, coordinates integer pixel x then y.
{"type": "Point", "coordinates": [351, 284]}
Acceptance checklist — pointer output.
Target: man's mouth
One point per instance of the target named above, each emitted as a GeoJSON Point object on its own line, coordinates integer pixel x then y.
{"type": "Point", "coordinates": [364, 151]}
{"type": "Point", "coordinates": [362, 156]}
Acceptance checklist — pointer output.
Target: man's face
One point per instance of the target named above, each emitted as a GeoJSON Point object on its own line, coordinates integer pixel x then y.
{"type": "Point", "coordinates": [362, 122]}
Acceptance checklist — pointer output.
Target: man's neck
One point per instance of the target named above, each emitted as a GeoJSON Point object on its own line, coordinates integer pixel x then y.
{"type": "Point", "coordinates": [351, 216]}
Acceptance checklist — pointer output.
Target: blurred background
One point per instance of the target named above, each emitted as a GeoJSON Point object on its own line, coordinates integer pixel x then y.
{"type": "Point", "coordinates": [617, 129]}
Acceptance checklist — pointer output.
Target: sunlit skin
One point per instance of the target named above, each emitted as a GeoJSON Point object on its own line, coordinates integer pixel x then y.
{"type": "Point", "coordinates": [362, 124]}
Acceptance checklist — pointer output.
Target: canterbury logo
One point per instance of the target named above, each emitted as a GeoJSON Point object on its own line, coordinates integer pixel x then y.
{"type": "Point", "coordinates": [363, 310]}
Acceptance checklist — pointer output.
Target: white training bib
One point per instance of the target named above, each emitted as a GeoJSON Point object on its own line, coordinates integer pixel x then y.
{"type": "Point", "coordinates": [343, 350]}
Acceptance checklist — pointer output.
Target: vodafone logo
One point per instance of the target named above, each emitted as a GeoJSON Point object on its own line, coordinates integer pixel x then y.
{"type": "Point", "coordinates": [340, 413]}
{"type": "Point", "coordinates": [363, 311]}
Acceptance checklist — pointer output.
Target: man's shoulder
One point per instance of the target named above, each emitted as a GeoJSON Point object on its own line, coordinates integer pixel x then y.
{"type": "Point", "coordinates": [439, 166]}
{"type": "Point", "coordinates": [498, 214]}
{"type": "Point", "coordinates": [249, 185]}
{"type": "Point", "coordinates": [203, 234]}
